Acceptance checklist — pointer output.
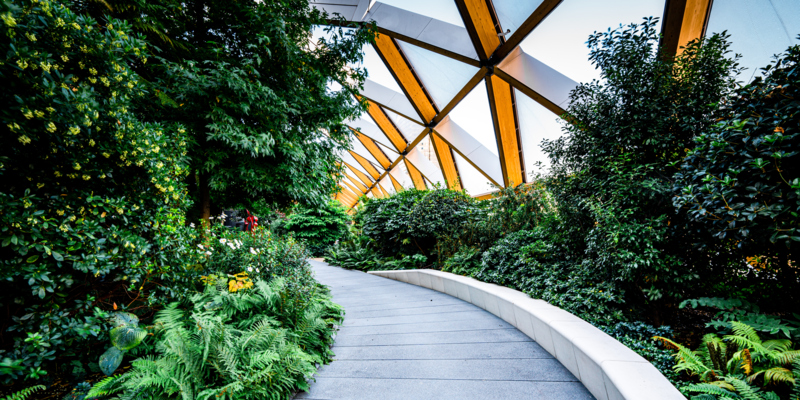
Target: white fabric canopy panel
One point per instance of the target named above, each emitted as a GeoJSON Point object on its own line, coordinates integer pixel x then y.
{"type": "Point", "coordinates": [408, 128]}
{"type": "Point", "coordinates": [474, 112]}
{"type": "Point", "coordinates": [536, 124]}
{"type": "Point", "coordinates": [474, 182]}
{"type": "Point", "coordinates": [400, 174]}
{"type": "Point", "coordinates": [429, 169]}
{"type": "Point", "coordinates": [442, 77]}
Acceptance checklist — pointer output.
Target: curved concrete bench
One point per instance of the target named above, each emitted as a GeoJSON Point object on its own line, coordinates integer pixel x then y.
{"type": "Point", "coordinates": [608, 369]}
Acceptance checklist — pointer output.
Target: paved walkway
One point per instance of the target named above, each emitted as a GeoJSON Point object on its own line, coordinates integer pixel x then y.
{"type": "Point", "coordinates": [405, 342]}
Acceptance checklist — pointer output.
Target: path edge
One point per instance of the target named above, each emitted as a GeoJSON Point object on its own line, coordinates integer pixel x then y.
{"type": "Point", "coordinates": [606, 367]}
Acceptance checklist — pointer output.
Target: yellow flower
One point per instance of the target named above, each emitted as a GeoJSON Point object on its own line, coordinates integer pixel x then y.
{"type": "Point", "coordinates": [106, 155]}
{"type": "Point", "coordinates": [27, 113]}
{"type": "Point", "coordinates": [22, 64]}
{"type": "Point", "coordinates": [51, 127]}
{"type": "Point", "coordinates": [24, 139]}
{"type": "Point", "coordinates": [50, 109]}
{"type": "Point", "coordinates": [93, 80]}
{"type": "Point", "coordinates": [92, 71]}
{"type": "Point", "coordinates": [64, 57]}
{"type": "Point", "coordinates": [86, 177]}
{"type": "Point", "coordinates": [39, 114]}
{"type": "Point", "coordinates": [77, 167]}
{"type": "Point", "coordinates": [60, 212]}
{"type": "Point", "coordinates": [9, 20]}
{"type": "Point", "coordinates": [74, 130]}
{"type": "Point", "coordinates": [30, 37]}
{"type": "Point", "coordinates": [91, 142]}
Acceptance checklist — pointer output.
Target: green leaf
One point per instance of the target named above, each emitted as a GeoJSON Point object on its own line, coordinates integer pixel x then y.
{"type": "Point", "coordinates": [124, 319]}
{"type": "Point", "coordinates": [110, 360]}
{"type": "Point", "coordinates": [58, 256]}
{"type": "Point", "coordinates": [127, 337]}
{"type": "Point", "coordinates": [32, 259]}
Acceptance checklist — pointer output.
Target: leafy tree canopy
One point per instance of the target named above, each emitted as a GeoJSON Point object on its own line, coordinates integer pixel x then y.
{"type": "Point", "coordinates": [253, 87]}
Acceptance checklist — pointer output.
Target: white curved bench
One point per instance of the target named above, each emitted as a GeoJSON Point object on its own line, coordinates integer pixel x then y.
{"type": "Point", "coordinates": [608, 369]}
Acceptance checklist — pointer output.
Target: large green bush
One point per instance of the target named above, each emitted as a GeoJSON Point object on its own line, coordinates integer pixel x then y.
{"type": "Point", "coordinates": [741, 180]}
{"type": "Point", "coordinates": [90, 193]}
{"type": "Point", "coordinates": [319, 227]}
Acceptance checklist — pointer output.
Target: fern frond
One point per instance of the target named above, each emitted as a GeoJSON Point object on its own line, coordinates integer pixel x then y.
{"type": "Point", "coordinates": [712, 389]}
{"type": "Point", "coordinates": [24, 393]}
{"type": "Point", "coordinates": [743, 388]}
{"type": "Point", "coordinates": [746, 331]}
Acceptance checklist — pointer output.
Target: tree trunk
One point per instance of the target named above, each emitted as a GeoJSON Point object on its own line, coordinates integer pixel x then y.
{"type": "Point", "coordinates": [205, 200]}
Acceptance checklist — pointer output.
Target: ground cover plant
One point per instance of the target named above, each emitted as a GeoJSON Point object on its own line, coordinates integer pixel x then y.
{"type": "Point", "coordinates": [670, 210]}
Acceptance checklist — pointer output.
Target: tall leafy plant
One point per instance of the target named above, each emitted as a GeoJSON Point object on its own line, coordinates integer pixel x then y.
{"type": "Point", "coordinates": [90, 192]}
{"type": "Point", "coordinates": [612, 176]}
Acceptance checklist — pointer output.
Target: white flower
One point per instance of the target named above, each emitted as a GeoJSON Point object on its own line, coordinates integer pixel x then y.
{"type": "Point", "coordinates": [191, 225]}
{"type": "Point", "coordinates": [223, 240]}
{"type": "Point", "coordinates": [208, 253]}
{"type": "Point", "coordinates": [200, 246]}
{"type": "Point", "coordinates": [257, 271]}
{"type": "Point", "coordinates": [249, 269]}
{"type": "Point", "coordinates": [253, 251]}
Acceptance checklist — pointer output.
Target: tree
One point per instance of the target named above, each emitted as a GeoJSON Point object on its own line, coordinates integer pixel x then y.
{"type": "Point", "coordinates": [252, 88]}
{"type": "Point", "coordinates": [613, 168]}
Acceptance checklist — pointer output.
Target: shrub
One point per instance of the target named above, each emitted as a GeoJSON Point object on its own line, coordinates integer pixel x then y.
{"type": "Point", "coordinates": [742, 178]}
{"type": "Point", "coordinates": [385, 221]}
{"type": "Point", "coordinates": [90, 193]}
{"type": "Point", "coordinates": [319, 228]}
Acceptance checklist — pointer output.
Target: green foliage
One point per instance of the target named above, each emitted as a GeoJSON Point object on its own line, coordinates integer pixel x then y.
{"type": "Point", "coordinates": [24, 393]}
{"type": "Point", "coordinates": [125, 335]}
{"type": "Point", "coordinates": [742, 178]}
{"type": "Point", "coordinates": [385, 221]}
{"type": "Point", "coordinates": [740, 363]}
{"type": "Point", "coordinates": [253, 343]}
{"type": "Point", "coordinates": [320, 227]}
{"type": "Point", "coordinates": [90, 192]}
{"type": "Point", "coordinates": [611, 168]}
{"type": "Point", "coordinates": [251, 84]}
{"type": "Point", "coordinates": [747, 313]}
{"type": "Point", "coordinates": [638, 337]}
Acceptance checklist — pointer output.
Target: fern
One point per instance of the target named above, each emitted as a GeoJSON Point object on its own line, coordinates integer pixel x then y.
{"type": "Point", "coordinates": [24, 393]}
{"type": "Point", "coordinates": [258, 343]}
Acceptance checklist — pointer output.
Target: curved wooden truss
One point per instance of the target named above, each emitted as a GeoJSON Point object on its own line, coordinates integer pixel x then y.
{"type": "Point", "coordinates": [395, 159]}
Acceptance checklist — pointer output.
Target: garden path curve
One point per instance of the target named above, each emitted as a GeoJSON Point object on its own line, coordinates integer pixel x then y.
{"type": "Point", "coordinates": [405, 342]}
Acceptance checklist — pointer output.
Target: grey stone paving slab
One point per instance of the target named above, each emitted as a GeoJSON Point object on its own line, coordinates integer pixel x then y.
{"type": "Point", "coordinates": [436, 326]}
{"type": "Point", "coordinates": [407, 304]}
{"type": "Point", "coordinates": [474, 351]}
{"type": "Point", "coordinates": [541, 369]}
{"type": "Point", "coordinates": [435, 389]}
{"type": "Point", "coordinates": [411, 311]}
{"type": "Point", "coordinates": [413, 319]}
{"type": "Point", "coordinates": [402, 341]}
{"type": "Point", "coordinates": [480, 336]}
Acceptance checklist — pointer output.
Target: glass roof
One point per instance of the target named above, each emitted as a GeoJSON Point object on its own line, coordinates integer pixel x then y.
{"type": "Point", "coordinates": [560, 40]}
{"type": "Point", "coordinates": [443, 59]}
{"type": "Point", "coordinates": [442, 10]}
{"type": "Point", "coordinates": [758, 28]}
